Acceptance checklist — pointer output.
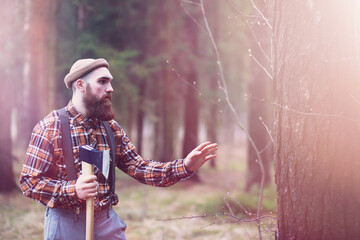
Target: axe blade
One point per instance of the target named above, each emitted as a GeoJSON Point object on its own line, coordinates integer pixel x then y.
{"type": "Point", "coordinates": [100, 159]}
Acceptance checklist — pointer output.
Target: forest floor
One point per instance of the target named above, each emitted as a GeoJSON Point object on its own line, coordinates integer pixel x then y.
{"type": "Point", "coordinates": [173, 213]}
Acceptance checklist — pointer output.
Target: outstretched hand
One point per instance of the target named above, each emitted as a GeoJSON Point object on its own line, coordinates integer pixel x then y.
{"type": "Point", "coordinates": [199, 155]}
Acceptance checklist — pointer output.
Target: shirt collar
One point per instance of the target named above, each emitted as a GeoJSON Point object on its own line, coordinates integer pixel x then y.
{"type": "Point", "coordinates": [76, 116]}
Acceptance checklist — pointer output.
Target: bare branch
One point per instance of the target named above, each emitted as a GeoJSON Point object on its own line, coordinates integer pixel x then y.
{"type": "Point", "coordinates": [263, 17]}
{"type": "Point", "coordinates": [314, 114]}
{"type": "Point", "coordinates": [228, 206]}
{"type": "Point", "coordinates": [240, 205]}
{"type": "Point", "coordinates": [191, 2]}
{"type": "Point", "coordinates": [234, 218]}
{"type": "Point", "coordinates": [260, 65]}
{"type": "Point", "coordinates": [193, 85]}
{"type": "Point", "coordinates": [254, 36]}
{"type": "Point", "coordinates": [267, 146]}
{"type": "Point", "coordinates": [268, 131]}
{"type": "Point", "coordinates": [191, 16]}
{"type": "Point", "coordinates": [355, 99]}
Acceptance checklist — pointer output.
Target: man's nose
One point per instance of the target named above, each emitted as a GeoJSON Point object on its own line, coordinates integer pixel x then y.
{"type": "Point", "coordinates": [109, 88]}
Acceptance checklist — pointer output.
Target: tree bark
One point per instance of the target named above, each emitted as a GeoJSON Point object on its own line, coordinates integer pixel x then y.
{"type": "Point", "coordinates": [317, 96]}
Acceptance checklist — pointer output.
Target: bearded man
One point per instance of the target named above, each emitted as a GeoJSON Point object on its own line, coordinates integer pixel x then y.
{"type": "Point", "coordinates": [45, 176]}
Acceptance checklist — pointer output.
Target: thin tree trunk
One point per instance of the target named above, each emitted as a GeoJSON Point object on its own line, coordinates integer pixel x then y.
{"type": "Point", "coordinates": [7, 99]}
{"type": "Point", "coordinates": [212, 118]}
{"type": "Point", "coordinates": [140, 116]}
{"type": "Point", "coordinates": [191, 116]}
{"type": "Point", "coordinates": [317, 119]}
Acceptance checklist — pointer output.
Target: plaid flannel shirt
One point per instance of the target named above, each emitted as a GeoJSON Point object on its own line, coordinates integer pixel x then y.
{"type": "Point", "coordinates": [44, 177]}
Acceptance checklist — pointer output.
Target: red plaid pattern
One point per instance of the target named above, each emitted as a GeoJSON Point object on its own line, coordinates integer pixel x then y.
{"type": "Point", "coordinates": [44, 177]}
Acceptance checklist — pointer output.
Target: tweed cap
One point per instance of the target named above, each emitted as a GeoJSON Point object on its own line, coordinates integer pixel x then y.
{"type": "Point", "coordinates": [82, 67]}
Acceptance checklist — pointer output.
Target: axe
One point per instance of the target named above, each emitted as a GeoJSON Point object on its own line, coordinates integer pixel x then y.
{"type": "Point", "coordinates": [89, 158]}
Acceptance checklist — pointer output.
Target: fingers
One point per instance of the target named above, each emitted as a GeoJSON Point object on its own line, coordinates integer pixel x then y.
{"type": "Point", "coordinates": [201, 154]}
{"type": "Point", "coordinates": [202, 146]}
{"type": "Point", "coordinates": [87, 186]}
{"type": "Point", "coordinates": [210, 157]}
{"type": "Point", "coordinates": [87, 178]}
{"type": "Point", "coordinates": [209, 149]}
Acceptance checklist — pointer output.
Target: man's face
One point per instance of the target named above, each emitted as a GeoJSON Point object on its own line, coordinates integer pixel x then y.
{"type": "Point", "coordinates": [97, 97]}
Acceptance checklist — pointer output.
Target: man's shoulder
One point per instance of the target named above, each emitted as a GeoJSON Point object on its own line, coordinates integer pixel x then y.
{"type": "Point", "coordinates": [49, 123]}
{"type": "Point", "coordinates": [115, 126]}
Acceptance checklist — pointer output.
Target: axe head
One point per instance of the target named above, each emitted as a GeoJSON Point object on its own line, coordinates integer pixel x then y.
{"type": "Point", "coordinates": [100, 159]}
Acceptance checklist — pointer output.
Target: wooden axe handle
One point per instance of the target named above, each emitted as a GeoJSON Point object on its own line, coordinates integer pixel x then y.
{"type": "Point", "coordinates": [88, 169]}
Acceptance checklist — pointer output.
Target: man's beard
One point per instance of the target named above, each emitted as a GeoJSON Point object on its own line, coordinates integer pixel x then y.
{"type": "Point", "coordinates": [98, 108]}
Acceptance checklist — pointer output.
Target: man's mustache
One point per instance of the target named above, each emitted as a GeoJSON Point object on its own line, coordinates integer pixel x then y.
{"type": "Point", "coordinates": [107, 96]}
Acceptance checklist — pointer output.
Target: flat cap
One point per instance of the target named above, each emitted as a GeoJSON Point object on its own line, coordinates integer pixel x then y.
{"type": "Point", "coordinates": [82, 67]}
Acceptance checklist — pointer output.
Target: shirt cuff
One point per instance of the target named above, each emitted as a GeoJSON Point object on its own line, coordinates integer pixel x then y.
{"type": "Point", "coordinates": [70, 193]}
{"type": "Point", "coordinates": [181, 170]}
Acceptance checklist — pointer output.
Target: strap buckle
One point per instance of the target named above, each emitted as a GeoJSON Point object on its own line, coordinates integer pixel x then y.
{"type": "Point", "coordinates": [114, 199]}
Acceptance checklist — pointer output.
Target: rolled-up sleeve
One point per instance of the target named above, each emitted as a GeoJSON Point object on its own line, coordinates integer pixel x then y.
{"type": "Point", "coordinates": [146, 171]}
{"type": "Point", "coordinates": [40, 177]}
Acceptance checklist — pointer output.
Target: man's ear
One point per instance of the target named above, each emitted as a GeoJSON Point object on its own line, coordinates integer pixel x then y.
{"type": "Point", "coordinates": [80, 85]}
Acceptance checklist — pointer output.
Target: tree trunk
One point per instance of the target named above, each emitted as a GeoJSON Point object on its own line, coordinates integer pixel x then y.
{"type": "Point", "coordinates": [317, 95]}
{"type": "Point", "coordinates": [142, 82]}
{"type": "Point", "coordinates": [191, 115]}
{"type": "Point", "coordinates": [167, 109]}
{"type": "Point", "coordinates": [7, 99]}
{"type": "Point", "coordinates": [140, 116]}
{"type": "Point", "coordinates": [259, 92]}
{"type": "Point", "coordinates": [37, 66]}
{"type": "Point", "coordinates": [213, 10]}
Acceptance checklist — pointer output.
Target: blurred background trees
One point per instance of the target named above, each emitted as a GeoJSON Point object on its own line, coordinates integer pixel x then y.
{"type": "Point", "coordinates": [166, 77]}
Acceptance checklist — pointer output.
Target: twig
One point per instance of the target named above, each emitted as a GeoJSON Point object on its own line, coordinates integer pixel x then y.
{"type": "Point", "coordinates": [315, 114]}
{"type": "Point", "coordinates": [191, 2]}
{"type": "Point", "coordinates": [235, 218]}
{"type": "Point", "coordinates": [260, 65]}
{"type": "Point", "coordinates": [266, 146]}
{"type": "Point", "coordinates": [191, 16]}
{"type": "Point", "coordinates": [355, 99]}
{"type": "Point", "coordinates": [267, 130]}
{"type": "Point", "coordinates": [240, 205]}
{"type": "Point", "coordinates": [255, 38]}
{"type": "Point", "coordinates": [228, 206]}
{"type": "Point", "coordinates": [189, 84]}
{"type": "Point", "coordinates": [265, 19]}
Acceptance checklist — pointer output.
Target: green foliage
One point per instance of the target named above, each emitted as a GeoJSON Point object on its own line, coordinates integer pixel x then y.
{"type": "Point", "coordinates": [138, 37]}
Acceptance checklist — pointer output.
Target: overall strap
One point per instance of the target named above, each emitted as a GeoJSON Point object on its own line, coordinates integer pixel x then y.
{"type": "Point", "coordinates": [67, 145]}
{"type": "Point", "coordinates": [69, 155]}
{"type": "Point", "coordinates": [112, 143]}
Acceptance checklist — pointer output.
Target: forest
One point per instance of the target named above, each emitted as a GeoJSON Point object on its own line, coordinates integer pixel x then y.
{"type": "Point", "coordinates": [275, 83]}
